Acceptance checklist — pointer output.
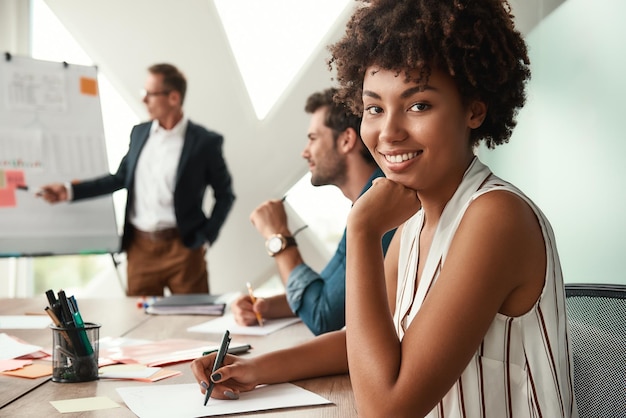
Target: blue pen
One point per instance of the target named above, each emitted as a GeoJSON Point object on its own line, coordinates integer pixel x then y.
{"type": "Point", "coordinates": [219, 359]}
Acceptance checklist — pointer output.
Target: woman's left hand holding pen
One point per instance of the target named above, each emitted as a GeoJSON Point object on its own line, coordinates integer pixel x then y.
{"type": "Point", "coordinates": [235, 376]}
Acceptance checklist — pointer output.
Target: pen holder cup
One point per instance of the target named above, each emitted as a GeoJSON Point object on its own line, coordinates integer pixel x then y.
{"type": "Point", "coordinates": [75, 353]}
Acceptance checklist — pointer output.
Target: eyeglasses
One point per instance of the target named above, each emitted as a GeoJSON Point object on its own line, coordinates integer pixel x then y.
{"type": "Point", "coordinates": [145, 93]}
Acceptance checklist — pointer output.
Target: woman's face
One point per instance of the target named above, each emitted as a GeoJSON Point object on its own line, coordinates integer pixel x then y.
{"type": "Point", "coordinates": [418, 134]}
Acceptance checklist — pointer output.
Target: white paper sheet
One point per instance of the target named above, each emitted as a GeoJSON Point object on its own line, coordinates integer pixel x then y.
{"type": "Point", "coordinates": [186, 401]}
{"type": "Point", "coordinates": [227, 322]}
{"type": "Point", "coordinates": [11, 348]}
{"type": "Point", "coordinates": [24, 321]}
{"type": "Point", "coordinates": [127, 371]}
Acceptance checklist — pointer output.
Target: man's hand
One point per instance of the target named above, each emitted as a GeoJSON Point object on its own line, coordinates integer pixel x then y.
{"type": "Point", "coordinates": [270, 218]}
{"type": "Point", "coordinates": [53, 193]}
{"type": "Point", "coordinates": [244, 310]}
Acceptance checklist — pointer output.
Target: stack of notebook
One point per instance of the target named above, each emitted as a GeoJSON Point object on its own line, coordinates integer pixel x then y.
{"type": "Point", "coordinates": [190, 304]}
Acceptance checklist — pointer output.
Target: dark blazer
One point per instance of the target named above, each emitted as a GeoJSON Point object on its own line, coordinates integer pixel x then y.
{"type": "Point", "coordinates": [201, 164]}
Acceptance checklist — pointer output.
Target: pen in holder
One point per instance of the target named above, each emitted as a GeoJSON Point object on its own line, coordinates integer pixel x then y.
{"type": "Point", "coordinates": [75, 353]}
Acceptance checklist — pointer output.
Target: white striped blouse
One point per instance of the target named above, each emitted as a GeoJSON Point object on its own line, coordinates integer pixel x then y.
{"type": "Point", "coordinates": [523, 368]}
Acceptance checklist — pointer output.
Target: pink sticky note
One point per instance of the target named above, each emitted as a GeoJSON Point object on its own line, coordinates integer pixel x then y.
{"type": "Point", "coordinates": [7, 197]}
{"type": "Point", "coordinates": [14, 178]}
{"type": "Point", "coordinates": [6, 365]}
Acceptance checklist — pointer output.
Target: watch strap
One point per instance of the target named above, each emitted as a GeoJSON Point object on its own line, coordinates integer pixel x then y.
{"type": "Point", "coordinates": [290, 242]}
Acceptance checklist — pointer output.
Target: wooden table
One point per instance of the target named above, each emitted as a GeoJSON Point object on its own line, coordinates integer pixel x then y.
{"type": "Point", "coordinates": [120, 317]}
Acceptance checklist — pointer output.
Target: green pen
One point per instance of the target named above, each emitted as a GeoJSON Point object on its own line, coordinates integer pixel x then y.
{"type": "Point", "coordinates": [78, 320]}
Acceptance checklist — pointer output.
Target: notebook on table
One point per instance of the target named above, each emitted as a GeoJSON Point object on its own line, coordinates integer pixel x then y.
{"type": "Point", "coordinates": [190, 304]}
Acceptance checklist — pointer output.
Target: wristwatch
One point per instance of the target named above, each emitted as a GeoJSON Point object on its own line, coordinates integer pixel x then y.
{"type": "Point", "coordinates": [276, 243]}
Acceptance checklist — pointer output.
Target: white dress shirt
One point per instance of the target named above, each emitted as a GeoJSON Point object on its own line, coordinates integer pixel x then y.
{"type": "Point", "coordinates": [155, 178]}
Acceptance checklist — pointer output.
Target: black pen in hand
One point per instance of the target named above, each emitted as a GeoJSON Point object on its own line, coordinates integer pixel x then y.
{"type": "Point", "coordinates": [219, 359]}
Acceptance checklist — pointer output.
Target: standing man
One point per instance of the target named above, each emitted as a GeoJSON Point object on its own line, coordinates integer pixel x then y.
{"type": "Point", "coordinates": [337, 156]}
{"type": "Point", "coordinates": [169, 164]}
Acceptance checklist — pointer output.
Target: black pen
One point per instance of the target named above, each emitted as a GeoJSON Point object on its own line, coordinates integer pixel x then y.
{"type": "Point", "coordinates": [26, 188]}
{"type": "Point", "coordinates": [68, 322]}
{"type": "Point", "coordinates": [54, 304]}
{"type": "Point", "coordinates": [52, 300]}
{"type": "Point", "coordinates": [219, 359]}
{"type": "Point", "coordinates": [66, 315]}
{"type": "Point", "coordinates": [238, 349]}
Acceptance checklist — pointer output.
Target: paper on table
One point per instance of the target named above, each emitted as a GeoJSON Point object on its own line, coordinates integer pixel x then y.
{"type": "Point", "coordinates": [127, 371]}
{"type": "Point", "coordinates": [158, 353]}
{"type": "Point", "coordinates": [84, 404]}
{"type": "Point", "coordinates": [32, 371]}
{"type": "Point", "coordinates": [106, 343]}
{"type": "Point", "coordinates": [11, 348]}
{"type": "Point", "coordinates": [24, 321]}
{"type": "Point", "coordinates": [186, 401]}
{"type": "Point", "coordinates": [136, 372]}
{"type": "Point", "coordinates": [112, 345]}
{"type": "Point", "coordinates": [227, 322]}
{"type": "Point", "coordinates": [7, 365]}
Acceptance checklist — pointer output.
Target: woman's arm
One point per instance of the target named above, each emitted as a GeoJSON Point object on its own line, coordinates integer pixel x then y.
{"type": "Point", "coordinates": [323, 356]}
{"type": "Point", "coordinates": [493, 264]}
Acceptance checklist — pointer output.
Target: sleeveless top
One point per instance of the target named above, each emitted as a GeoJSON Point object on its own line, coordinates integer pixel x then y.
{"type": "Point", "coordinates": [523, 367]}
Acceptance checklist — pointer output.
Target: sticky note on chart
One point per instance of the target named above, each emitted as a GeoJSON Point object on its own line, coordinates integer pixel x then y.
{"type": "Point", "coordinates": [14, 178]}
{"type": "Point", "coordinates": [89, 86]}
{"type": "Point", "coordinates": [7, 198]}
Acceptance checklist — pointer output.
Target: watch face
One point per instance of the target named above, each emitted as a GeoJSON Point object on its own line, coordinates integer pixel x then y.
{"type": "Point", "coordinates": [274, 244]}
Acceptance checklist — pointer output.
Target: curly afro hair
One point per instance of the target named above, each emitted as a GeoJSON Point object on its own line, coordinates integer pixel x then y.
{"type": "Point", "coordinates": [474, 41]}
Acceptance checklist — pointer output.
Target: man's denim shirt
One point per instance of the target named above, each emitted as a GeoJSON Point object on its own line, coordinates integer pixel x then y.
{"type": "Point", "coordinates": [319, 299]}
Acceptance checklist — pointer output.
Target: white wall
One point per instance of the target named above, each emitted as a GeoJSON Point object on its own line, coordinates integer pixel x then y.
{"type": "Point", "coordinates": [568, 149]}
{"type": "Point", "coordinates": [14, 33]}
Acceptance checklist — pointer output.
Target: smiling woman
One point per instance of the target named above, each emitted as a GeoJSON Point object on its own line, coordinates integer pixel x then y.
{"type": "Point", "coordinates": [465, 312]}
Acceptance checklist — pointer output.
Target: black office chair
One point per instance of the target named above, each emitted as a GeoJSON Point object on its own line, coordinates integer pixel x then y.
{"type": "Point", "coordinates": [597, 323]}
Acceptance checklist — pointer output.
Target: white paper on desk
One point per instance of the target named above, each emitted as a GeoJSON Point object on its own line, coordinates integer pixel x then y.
{"type": "Point", "coordinates": [227, 322]}
{"type": "Point", "coordinates": [24, 321]}
{"type": "Point", "coordinates": [109, 343]}
{"type": "Point", "coordinates": [127, 371]}
{"type": "Point", "coordinates": [186, 401]}
{"type": "Point", "coordinates": [11, 348]}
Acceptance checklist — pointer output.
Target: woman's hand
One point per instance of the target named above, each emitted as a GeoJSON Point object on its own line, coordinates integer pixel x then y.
{"type": "Point", "coordinates": [235, 376]}
{"type": "Point", "coordinates": [384, 206]}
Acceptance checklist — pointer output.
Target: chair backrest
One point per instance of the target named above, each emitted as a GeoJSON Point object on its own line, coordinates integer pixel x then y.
{"type": "Point", "coordinates": [597, 323]}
